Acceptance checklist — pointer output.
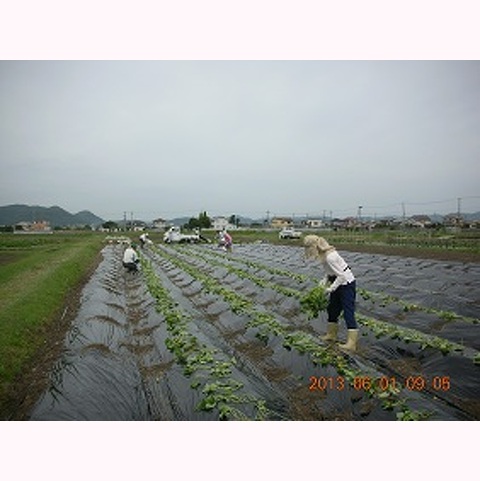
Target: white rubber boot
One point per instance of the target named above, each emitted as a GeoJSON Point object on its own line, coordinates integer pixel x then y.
{"type": "Point", "coordinates": [352, 339]}
{"type": "Point", "coordinates": [332, 332]}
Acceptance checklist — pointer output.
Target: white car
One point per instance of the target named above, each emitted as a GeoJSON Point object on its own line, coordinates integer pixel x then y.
{"type": "Point", "coordinates": [289, 233]}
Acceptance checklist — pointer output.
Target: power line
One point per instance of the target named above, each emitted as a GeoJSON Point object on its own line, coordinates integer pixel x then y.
{"type": "Point", "coordinates": [398, 209]}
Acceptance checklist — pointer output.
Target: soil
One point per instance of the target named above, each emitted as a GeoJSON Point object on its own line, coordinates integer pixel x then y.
{"type": "Point", "coordinates": [6, 258]}
{"type": "Point", "coordinates": [28, 387]}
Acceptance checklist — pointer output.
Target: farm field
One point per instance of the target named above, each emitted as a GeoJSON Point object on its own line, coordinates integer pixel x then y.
{"type": "Point", "coordinates": [461, 245]}
{"type": "Point", "coordinates": [199, 334]}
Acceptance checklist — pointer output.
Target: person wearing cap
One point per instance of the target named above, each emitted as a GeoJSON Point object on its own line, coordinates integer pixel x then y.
{"type": "Point", "coordinates": [340, 284]}
{"type": "Point", "coordinates": [130, 258]}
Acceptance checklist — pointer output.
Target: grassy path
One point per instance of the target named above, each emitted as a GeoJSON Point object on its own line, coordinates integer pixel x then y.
{"type": "Point", "coordinates": [35, 283]}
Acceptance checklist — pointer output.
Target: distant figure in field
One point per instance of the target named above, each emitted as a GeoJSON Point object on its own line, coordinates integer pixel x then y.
{"type": "Point", "coordinates": [340, 284]}
{"type": "Point", "coordinates": [130, 258]}
{"type": "Point", "coordinates": [225, 241]}
{"type": "Point", "coordinates": [144, 239]}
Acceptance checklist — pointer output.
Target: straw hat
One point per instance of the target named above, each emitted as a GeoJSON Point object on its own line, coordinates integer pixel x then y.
{"type": "Point", "coordinates": [315, 246]}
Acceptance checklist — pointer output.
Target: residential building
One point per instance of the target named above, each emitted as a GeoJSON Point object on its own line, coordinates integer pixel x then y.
{"type": "Point", "coordinates": [36, 227]}
{"type": "Point", "coordinates": [281, 222]}
{"type": "Point", "coordinates": [159, 224]}
{"type": "Point", "coordinates": [314, 223]}
{"type": "Point", "coordinates": [419, 221]}
{"type": "Point", "coordinates": [220, 223]}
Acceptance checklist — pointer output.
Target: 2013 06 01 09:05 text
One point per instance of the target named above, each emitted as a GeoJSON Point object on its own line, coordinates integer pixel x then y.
{"type": "Point", "coordinates": [384, 383]}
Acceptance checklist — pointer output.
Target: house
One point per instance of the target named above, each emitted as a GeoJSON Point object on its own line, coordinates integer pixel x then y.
{"type": "Point", "coordinates": [36, 227]}
{"type": "Point", "coordinates": [387, 222]}
{"type": "Point", "coordinates": [137, 225]}
{"type": "Point", "coordinates": [351, 222]}
{"type": "Point", "coordinates": [221, 223]}
{"type": "Point", "coordinates": [346, 223]}
{"type": "Point", "coordinates": [314, 223]}
{"type": "Point", "coordinates": [281, 222]}
{"type": "Point", "coordinates": [453, 220]}
{"type": "Point", "coordinates": [421, 221]}
{"type": "Point", "coordinates": [159, 224]}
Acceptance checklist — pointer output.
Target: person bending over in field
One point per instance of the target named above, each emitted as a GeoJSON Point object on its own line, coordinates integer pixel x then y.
{"type": "Point", "coordinates": [228, 242]}
{"type": "Point", "coordinates": [130, 258]}
{"type": "Point", "coordinates": [225, 241]}
{"type": "Point", "coordinates": [143, 238]}
{"type": "Point", "coordinates": [340, 285]}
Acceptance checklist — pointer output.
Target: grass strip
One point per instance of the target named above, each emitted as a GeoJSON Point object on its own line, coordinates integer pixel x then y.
{"type": "Point", "coordinates": [32, 299]}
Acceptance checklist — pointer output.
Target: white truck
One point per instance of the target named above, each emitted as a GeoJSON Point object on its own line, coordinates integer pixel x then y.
{"type": "Point", "coordinates": [289, 233]}
{"type": "Point", "coordinates": [174, 235]}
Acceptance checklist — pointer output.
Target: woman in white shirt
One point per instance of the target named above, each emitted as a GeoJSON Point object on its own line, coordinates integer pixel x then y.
{"type": "Point", "coordinates": [341, 286]}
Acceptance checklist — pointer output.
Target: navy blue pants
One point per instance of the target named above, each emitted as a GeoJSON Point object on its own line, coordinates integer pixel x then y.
{"type": "Point", "coordinates": [130, 266]}
{"type": "Point", "coordinates": [343, 299]}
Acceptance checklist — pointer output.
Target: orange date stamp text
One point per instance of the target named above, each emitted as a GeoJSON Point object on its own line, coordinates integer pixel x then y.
{"type": "Point", "coordinates": [383, 383]}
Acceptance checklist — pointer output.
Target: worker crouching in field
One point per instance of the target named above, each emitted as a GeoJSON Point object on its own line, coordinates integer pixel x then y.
{"type": "Point", "coordinates": [225, 241]}
{"type": "Point", "coordinates": [340, 284]}
{"type": "Point", "coordinates": [130, 258]}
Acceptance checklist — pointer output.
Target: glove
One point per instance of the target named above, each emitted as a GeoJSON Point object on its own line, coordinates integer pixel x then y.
{"type": "Point", "coordinates": [323, 282]}
{"type": "Point", "coordinates": [329, 290]}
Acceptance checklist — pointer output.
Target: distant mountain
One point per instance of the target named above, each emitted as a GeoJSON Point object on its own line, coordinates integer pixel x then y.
{"type": "Point", "coordinates": [472, 217]}
{"type": "Point", "coordinates": [58, 217]}
{"type": "Point", "coordinates": [85, 217]}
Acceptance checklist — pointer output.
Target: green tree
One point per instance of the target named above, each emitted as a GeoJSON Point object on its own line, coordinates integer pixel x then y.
{"type": "Point", "coordinates": [192, 223]}
{"type": "Point", "coordinates": [234, 220]}
{"type": "Point", "coordinates": [110, 225]}
{"type": "Point", "coordinates": [204, 221]}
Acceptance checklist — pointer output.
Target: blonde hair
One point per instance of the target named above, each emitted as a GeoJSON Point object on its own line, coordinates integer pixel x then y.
{"type": "Point", "coordinates": [316, 247]}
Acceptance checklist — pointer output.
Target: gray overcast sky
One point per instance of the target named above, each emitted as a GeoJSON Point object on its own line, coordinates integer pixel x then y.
{"type": "Point", "coordinates": [171, 138]}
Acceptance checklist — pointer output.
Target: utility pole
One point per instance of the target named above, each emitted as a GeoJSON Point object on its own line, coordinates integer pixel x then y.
{"type": "Point", "coordinates": [124, 220]}
{"type": "Point", "coordinates": [459, 213]}
{"type": "Point", "coordinates": [359, 218]}
{"type": "Point", "coordinates": [359, 213]}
